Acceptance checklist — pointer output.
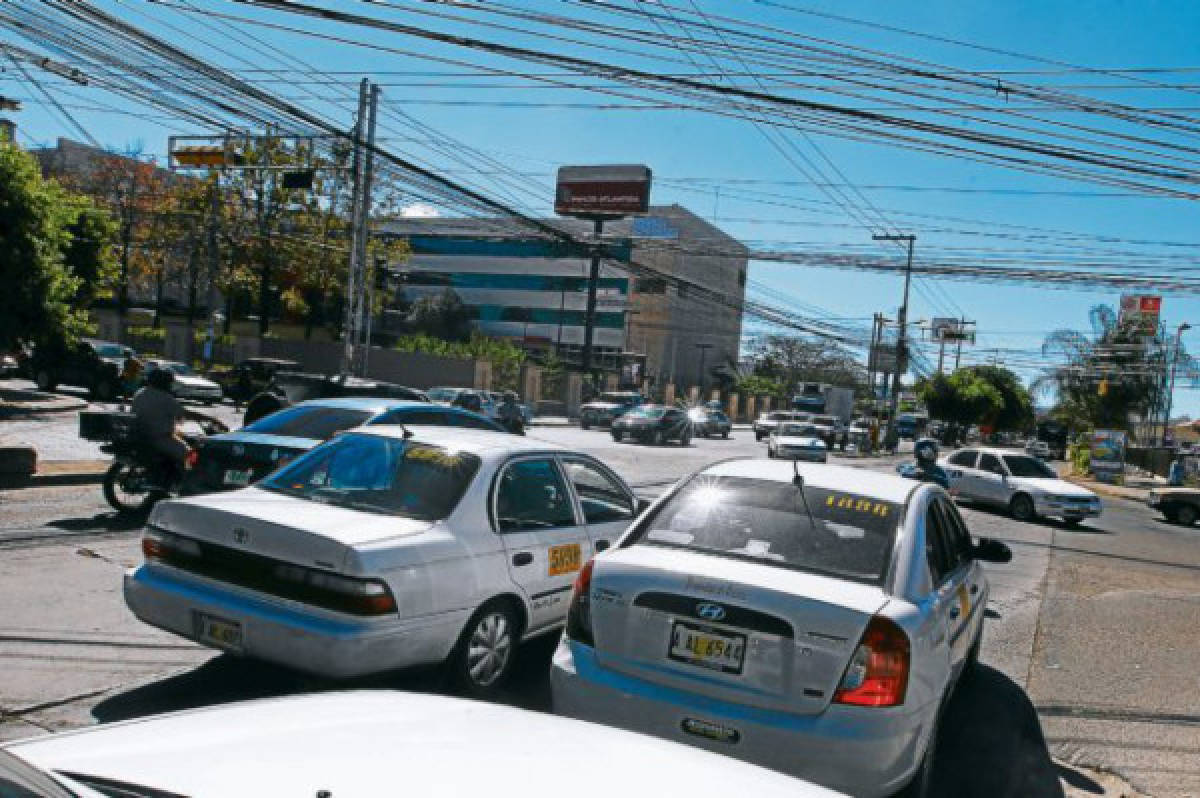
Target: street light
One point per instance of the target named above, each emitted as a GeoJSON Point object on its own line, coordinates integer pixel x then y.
{"type": "Point", "coordinates": [1171, 389]}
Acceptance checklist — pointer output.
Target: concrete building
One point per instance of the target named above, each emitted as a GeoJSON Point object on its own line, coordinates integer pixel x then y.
{"type": "Point", "coordinates": [524, 287]}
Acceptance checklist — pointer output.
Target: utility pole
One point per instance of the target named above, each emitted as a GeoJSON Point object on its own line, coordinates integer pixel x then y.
{"type": "Point", "coordinates": [589, 322]}
{"type": "Point", "coordinates": [1171, 387]}
{"type": "Point", "coordinates": [958, 354]}
{"type": "Point", "coordinates": [360, 209]}
{"type": "Point", "coordinates": [901, 322]}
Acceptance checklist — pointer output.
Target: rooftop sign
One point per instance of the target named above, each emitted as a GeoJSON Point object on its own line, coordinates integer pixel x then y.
{"type": "Point", "coordinates": [602, 191]}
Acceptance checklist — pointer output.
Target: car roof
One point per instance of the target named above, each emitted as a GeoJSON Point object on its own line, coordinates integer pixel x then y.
{"type": "Point", "coordinates": [859, 481]}
{"type": "Point", "coordinates": [995, 450]}
{"type": "Point", "coordinates": [375, 404]}
{"type": "Point", "coordinates": [476, 441]}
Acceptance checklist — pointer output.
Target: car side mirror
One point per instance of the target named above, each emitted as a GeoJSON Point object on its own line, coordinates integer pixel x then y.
{"type": "Point", "coordinates": [989, 550]}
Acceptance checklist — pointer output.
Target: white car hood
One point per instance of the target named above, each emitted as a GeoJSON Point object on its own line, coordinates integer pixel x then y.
{"type": "Point", "coordinates": [1057, 487]}
{"type": "Point", "coordinates": [372, 743]}
{"type": "Point", "coordinates": [806, 441]}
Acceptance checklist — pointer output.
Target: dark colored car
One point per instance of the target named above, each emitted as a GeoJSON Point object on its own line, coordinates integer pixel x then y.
{"type": "Point", "coordinates": [253, 375]}
{"type": "Point", "coordinates": [655, 424]}
{"type": "Point", "coordinates": [236, 459]}
{"type": "Point", "coordinates": [289, 387]}
{"type": "Point", "coordinates": [708, 422]}
{"type": "Point", "coordinates": [95, 365]}
{"type": "Point", "coordinates": [608, 406]}
{"type": "Point", "coordinates": [1178, 505]}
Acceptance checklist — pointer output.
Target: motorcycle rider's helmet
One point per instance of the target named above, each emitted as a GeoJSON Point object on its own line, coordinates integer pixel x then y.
{"type": "Point", "coordinates": [162, 379]}
{"type": "Point", "coordinates": [926, 452]}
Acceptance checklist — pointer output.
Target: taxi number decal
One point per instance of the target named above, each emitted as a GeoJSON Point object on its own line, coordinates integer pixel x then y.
{"type": "Point", "coordinates": [857, 505]}
{"type": "Point", "coordinates": [964, 603]}
{"type": "Point", "coordinates": [565, 559]}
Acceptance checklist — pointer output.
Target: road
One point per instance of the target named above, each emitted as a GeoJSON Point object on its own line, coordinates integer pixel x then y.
{"type": "Point", "coordinates": [1089, 655]}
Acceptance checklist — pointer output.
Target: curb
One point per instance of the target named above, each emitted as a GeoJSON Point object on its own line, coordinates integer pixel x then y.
{"type": "Point", "coordinates": [1111, 491]}
{"type": "Point", "coordinates": [50, 473]}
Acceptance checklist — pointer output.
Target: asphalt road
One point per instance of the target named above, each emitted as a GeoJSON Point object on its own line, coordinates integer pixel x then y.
{"type": "Point", "coordinates": [1089, 655]}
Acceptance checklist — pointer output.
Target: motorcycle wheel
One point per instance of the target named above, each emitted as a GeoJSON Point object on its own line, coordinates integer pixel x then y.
{"type": "Point", "coordinates": [118, 481]}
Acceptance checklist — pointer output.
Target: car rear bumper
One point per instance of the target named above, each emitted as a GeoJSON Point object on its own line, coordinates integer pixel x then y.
{"type": "Point", "coordinates": [1057, 509]}
{"type": "Point", "coordinates": [286, 632]}
{"type": "Point", "coordinates": [859, 751]}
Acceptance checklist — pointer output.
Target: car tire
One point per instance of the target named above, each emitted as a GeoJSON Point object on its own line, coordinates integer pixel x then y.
{"type": "Point", "coordinates": [584, 423]}
{"type": "Point", "coordinates": [45, 380]}
{"type": "Point", "coordinates": [1072, 523]}
{"type": "Point", "coordinates": [725, 435]}
{"type": "Point", "coordinates": [617, 436]}
{"type": "Point", "coordinates": [1185, 514]}
{"type": "Point", "coordinates": [686, 439]}
{"type": "Point", "coordinates": [1168, 512]}
{"type": "Point", "coordinates": [771, 454]}
{"type": "Point", "coordinates": [758, 436]}
{"type": "Point", "coordinates": [484, 656]}
{"type": "Point", "coordinates": [1021, 508]}
{"type": "Point", "coordinates": [658, 438]}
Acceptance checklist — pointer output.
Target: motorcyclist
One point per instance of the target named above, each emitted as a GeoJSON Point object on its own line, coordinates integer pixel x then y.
{"type": "Point", "coordinates": [510, 414]}
{"type": "Point", "coordinates": [926, 468]}
{"type": "Point", "coordinates": [158, 414]}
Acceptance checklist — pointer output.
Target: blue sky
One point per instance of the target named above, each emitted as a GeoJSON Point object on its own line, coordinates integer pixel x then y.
{"type": "Point", "coordinates": [762, 198]}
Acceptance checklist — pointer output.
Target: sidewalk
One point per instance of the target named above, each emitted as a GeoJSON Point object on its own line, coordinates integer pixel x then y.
{"type": "Point", "coordinates": [1137, 487]}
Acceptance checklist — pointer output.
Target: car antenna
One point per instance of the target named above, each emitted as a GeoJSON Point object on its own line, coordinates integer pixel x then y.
{"type": "Point", "coordinates": [798, 481]}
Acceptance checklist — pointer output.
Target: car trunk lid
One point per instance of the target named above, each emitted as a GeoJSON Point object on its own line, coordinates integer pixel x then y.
{"type": "Point", "coordinates": [754, 634]}
{"type": "Point", "coordinates": [240, 459]}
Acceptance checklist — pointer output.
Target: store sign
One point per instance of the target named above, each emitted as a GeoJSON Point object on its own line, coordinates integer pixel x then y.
{"type": "Point", "coordinates": [945, 329]}
{"type": "Point", "coordinates": [602, 191]}
{"type": "Point", "coordinates": [1108, 454]}
{"type": "Point", "coordinates": [1141, 312]}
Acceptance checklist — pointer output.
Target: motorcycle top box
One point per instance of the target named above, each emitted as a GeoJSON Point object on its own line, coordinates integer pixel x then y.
{"type": "Point", "coordinates": [105, 425]}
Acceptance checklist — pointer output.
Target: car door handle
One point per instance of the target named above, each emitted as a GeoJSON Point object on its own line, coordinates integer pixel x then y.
{"type": "Point", "coordinates": [522, 558]}
{"type": "Point", "coordinates": [601, 545]}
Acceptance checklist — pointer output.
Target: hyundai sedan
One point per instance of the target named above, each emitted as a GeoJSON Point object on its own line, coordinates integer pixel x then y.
{"type": "Point", "coordinates": [813, 619]}
{"type": "Point", "coordinates": [385, 547]}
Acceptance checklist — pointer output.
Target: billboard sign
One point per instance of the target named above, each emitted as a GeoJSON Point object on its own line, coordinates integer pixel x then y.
{"type": "Point", "coordinates": [946, 329]}
{"type": "Point", "coordinates": [1141, 312]}
{"type": "Point", "coordinates": [602, 191]}
{"type": "Point", "coordinates": [1108, 454]}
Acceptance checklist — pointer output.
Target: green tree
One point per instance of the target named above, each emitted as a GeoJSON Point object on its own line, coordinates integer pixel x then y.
{"type": "Point", "coordinates": [89, 255]}
{"type": "Point", "coordinates": [986, 395]}
{"type": "Point", "coordinates": [43, 266]}
{"type": "Point", "coordinates": [789, 360]}
{"type": "Point", "coordinates": [443, 316]}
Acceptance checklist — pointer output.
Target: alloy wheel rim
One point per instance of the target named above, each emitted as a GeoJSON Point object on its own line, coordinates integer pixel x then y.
{"type": "Point", "coordinates": [489, 649]}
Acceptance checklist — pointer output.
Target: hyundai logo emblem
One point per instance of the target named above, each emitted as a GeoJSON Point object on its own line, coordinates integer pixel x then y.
{"type": "Point", "coordinates": [241, 536]}
{"type": "Point", "coordinates": [710, 612]}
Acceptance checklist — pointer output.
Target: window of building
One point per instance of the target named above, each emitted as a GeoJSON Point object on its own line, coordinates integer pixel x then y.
{"type": "Point", "coordinates": [651, 285]}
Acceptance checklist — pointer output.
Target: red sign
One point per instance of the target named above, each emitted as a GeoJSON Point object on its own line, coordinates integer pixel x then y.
{"type": "Point", "coordinates": [1150, 304]}
{"type": "Point", "coordinates": [602, 191]}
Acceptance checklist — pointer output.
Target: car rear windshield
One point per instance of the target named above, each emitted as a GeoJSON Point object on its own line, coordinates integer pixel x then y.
{"type": "Point", "coordinates": [309, 421]}
{"type": "Point", "coordinates": [1028, 467]}
{"type": "Point", "coordinates": [379, 475]}
{"type": "Point", "coordinates": [109, 350]}
{"type": "Point", "coordinates": [848, 536]}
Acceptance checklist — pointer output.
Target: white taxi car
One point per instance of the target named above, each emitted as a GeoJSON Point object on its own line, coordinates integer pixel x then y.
{"type": "Point", "coordinates": [813, 619]}
{"type": "Point", "coordinates": [1020, 483]}
{"type": "Point", "coordinates": [791, 441]}
{"type": "Point", "coordinates": [383, 548]}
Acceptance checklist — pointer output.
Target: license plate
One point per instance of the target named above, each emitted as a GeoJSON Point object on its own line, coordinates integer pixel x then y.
{"type": "Point", "coordinates": [219, 632]}
{"type": "Point", "coordinates": [236, 477]}
{"type": "Point", "coordinates": [565, 558]}
{"type": "Point", "coordinates": [707, 647]}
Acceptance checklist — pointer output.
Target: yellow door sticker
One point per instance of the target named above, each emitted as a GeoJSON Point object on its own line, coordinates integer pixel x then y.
{"type": "Point", "coordinates": [964, 603]}
{"type": "Point", "coordinates": [565, 558]}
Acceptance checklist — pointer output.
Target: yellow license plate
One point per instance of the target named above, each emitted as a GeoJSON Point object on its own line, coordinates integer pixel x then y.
{"type": "Point", "coordinates": [219, 632]}
{"type": "Point", "coordinates": [565, 558]}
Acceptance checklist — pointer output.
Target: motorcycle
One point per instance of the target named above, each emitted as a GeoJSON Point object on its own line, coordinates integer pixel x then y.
{"type": "Point", "coordinates": [139, 475]}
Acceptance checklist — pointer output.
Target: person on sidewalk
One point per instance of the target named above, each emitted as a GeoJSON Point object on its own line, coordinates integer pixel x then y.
{"type": "Point", "coordinates": [1175, 473]}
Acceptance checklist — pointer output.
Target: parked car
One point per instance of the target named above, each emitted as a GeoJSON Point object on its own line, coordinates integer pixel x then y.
{"type": "Point", "coordinates": [1038, 449]}
{"type": "Point", "coordinates": [187, 384]}
{"type": "Point", "coordinates": [829, 429]}
{"type": "Point", "coordinates": [1178, 505]}
{"type": "Point", "coordinates": [766, 423]}
{"type": "Point", "coordinates": [497, 399]}
{"type": "Point", "coordinates": [708, 422]}
{"type": "Point", "coordinates": [252, 376]}
{"type": "Point", "coordinates": [357, 743]}
{"type": "Point", "coordinates": [10, 365]}
{"type": "Point", "coordinates": [242, 457]}
{"type": "Point", "coordinates": [607, 407]}
{"type": "Point", "coordinates": [813, 619]}
{"type": "Point", "coordinates": [792, 441]}
{"type": "Point", "coordinates": [657, 424]}
{"type": "Point", "coordinates": [385, 547]}
{"type": "Point", "coordinates": [91, 364]}
{"type": "Point", "coordinates": [1024, 485]}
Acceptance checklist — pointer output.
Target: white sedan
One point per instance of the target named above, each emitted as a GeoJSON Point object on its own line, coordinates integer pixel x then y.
{"type": "Point", "coordinates": [385, 547]}
{"type": "Point", "coordinates": [371, 743]}
{"type": "Point", "coordinates": [187, 384]}
{"type": "Point", "coordinates": [810, 618]}
{"type": "Point", "coordinates": [1019, 483]}
{"type": "Point", "coordinates": [791, 441]}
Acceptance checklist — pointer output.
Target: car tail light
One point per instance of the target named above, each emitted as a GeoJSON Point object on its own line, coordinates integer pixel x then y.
{"type": "Point", "coordinates": [579, 614]}
{"type": "Point", "coordinates": [158, 544]}
{"type": "Point", "coordinates": [190, 460]}
{"type": "Point", "coordinates": [877, 675]}
{"type": "Point", "coordinates": [342, 593]}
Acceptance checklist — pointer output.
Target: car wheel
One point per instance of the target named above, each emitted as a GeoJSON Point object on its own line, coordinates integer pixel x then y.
{"type": "Point", "coordinates": [1071, 523]}
{"type": "Point", "coordinates": [658, 439]}
{"type": "Point", "coordinates": [686, 438]}
{"type": "Point", "coordinates": [1021, 508]}
{"type": "Point", "coordinates": [1185, 514]}
{"type": "Point", "coordinates": [584, 423]}
{"type": "Point", "coordinates": [758, 436]}
{"type": "Point", "coordinates": [771, 453]}
{"type": "Point", "coordinates": [1168, 512]}
{"type": "Point", "coordinates": [484, 655]}
{"type": "Point", "coordinates": [45, 380]}
{"type": "Point", "coordinates": [725, 434]}
{"type": "Point", "coordinates": [617, 436]}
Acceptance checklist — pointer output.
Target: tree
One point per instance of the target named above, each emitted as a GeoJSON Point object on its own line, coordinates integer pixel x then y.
{"type": "Point", "coordinates": [43, 265]}
{"type": "Point", "coordinates": [789, 360]}
{"type": "Point", "coordinates": [1106, 378]}
{"type": "Point", "coordinates": [990, 396]}
{"type": "Point", "coordinates": [443, 316]}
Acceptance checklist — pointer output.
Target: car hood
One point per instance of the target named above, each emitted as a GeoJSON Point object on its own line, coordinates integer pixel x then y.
{"type": "Point", "coordinates": [353, 744]}
{"type": "Point", "coordinates": [805, 441]}
{"type": "Point", "coordinates": [1058, 487]}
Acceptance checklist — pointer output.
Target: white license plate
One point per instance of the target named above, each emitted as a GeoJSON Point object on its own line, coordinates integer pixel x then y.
{"type": "Point", "coordinates": [219, 632]}
{"type": "Point", "coordinates": [235, 477]}
{"type": "Point", "coordinates": [707, 647]}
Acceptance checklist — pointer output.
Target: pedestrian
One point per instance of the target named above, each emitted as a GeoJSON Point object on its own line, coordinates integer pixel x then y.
{"type": "Point", "coordinates": [131, 372]}
{"type": "Point", "coordinates": [1175, 472]}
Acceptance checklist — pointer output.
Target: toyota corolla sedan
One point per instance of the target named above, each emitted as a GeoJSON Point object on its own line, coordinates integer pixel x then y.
{"type": "Point", "coordinates": [383, 548]}
{"type": "Point", "coordinates": [656, 424]}
{"type": "Point", "coordinates": [813, 619]}
{"type": "Point", "coordinates": [361, 744]}
{"type": "Point", "coordinates": [1019, 483]}
{"type": "Point", "coordinates": [792, 441]}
